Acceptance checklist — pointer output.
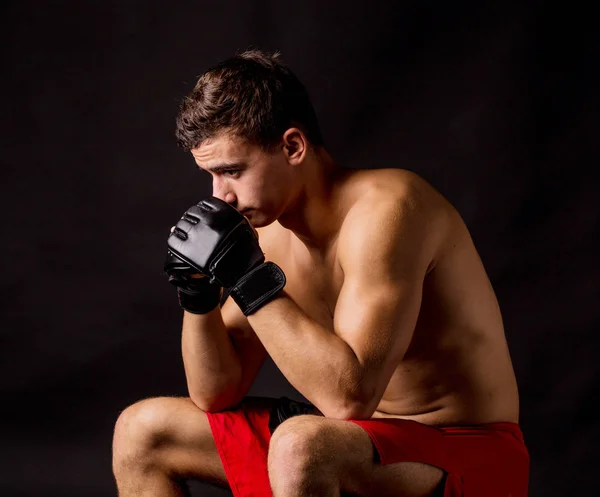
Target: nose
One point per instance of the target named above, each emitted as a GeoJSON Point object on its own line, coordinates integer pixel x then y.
{"type": "Point", "coordinates": [222, 193]}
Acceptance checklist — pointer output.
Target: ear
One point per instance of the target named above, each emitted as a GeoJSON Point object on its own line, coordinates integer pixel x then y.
{"type": "Point", "coordinates": [295, 145]}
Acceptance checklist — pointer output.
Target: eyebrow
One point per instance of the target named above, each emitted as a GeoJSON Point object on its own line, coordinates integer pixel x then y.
{"type": "Point", "coordinates": [225, 166]}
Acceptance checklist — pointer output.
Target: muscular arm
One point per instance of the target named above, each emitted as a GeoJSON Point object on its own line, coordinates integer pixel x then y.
{"type": "Point", "coordinates": [221, 356]}
{"type": "Point", "coordinates": [221, 353]}
{"type": "Point", "coordinates": [385, 250]}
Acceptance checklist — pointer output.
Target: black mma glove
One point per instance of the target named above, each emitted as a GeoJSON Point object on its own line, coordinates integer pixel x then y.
{"type": "Point", "coordinates": [196, 295]}
{"type": "Point", "coordinates": [217, 241]}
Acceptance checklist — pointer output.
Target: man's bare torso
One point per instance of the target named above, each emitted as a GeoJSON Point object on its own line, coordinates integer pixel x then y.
{"type": "Point", "coordinates": [457, 369]}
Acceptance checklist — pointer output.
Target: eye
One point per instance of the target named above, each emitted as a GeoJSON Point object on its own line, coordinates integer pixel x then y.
{"type": "Point", "coordinates": [232, 173]}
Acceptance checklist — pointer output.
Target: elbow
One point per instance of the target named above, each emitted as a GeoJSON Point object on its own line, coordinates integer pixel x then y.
{"type": "Point", "coordinates": [216, 400]}
{"type": "Point", "coordinates": [346, 413]}
{"type": "Point", "coordinates": [351, 405]}
{"type": "Point", "coordinates": [214, 404]}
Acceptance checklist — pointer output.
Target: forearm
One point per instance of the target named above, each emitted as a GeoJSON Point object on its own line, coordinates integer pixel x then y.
{"type": "Point", "coordinates": [318, 363]}
{"type": "Point", "coordinates": [212, 366]}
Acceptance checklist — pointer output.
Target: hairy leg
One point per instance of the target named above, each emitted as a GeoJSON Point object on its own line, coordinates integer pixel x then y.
{"type": "Point", "coordinates": [316, 456]}
{"type": "Point", "coordinates": [161, 442]}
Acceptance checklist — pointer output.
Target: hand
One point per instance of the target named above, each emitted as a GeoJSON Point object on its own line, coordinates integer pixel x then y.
{"type": "Point", "coordinates": [195, 291]}
{"type": "Point", "coordinates": [217, 241]}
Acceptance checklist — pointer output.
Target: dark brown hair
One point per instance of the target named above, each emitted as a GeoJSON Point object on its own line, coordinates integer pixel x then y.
{"type": "Point", "coordinates": [252, 95]}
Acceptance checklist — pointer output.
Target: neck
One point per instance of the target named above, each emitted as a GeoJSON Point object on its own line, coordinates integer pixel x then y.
{"type": "Point", "coordinates": [312, 215]}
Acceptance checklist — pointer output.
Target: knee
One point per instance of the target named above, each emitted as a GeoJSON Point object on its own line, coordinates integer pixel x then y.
{"type": "Point", "coordinates": [139, 431]}
{"type": "Point", "coordinates": [298, 447]}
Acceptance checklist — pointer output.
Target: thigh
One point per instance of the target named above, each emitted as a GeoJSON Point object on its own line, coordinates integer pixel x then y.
{"type": "Point", "coordinates": [177, 435]}
{"type": "Point", "coordinates": [365, 476]}
{"type": "Point", "coordinates": [405, 479]}
{"type": "Point", "coordinates": [347, 450]}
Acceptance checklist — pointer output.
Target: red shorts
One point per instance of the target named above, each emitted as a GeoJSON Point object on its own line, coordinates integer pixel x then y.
{"type": "Point", "coordinates": [489, 460]}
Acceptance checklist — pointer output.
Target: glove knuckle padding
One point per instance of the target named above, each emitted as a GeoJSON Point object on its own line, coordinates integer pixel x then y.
{"type": "Point", "coordinates": [217, 240]}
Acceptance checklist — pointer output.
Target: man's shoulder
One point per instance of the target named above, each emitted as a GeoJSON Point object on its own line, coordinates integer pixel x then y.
{"type": "Point", "coordinates": [398, 206]}
{"type": "Point", "coordinates": [379, 177]}
{"type": "Point", "coordinates": [381, 192]}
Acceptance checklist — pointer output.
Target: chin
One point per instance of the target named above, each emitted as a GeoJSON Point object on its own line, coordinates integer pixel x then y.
{"type": "Point", "coordinates": [259, 223]}
{"type": "Point", "coordinates": [257, 220]}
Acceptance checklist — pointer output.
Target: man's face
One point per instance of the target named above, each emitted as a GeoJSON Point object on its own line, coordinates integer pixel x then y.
{"type": "Point", "coordinates": [257, 183]}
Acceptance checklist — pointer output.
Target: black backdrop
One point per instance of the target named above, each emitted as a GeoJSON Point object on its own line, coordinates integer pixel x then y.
{"type": "Point", "coordinates": [496, 106]}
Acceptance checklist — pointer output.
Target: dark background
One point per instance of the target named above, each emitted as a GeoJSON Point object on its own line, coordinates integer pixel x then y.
{"type": "Point", "coordinates": [496, 106]}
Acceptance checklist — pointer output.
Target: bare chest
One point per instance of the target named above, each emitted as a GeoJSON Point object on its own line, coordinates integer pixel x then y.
{"type": "Point", "coordinates": [313, 283]}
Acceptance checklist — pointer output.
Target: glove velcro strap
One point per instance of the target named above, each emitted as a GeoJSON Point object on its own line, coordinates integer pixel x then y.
{"type": "Point", "coordinates": [258, 287]}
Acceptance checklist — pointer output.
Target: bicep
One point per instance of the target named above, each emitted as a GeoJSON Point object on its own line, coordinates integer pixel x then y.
{"type": "Point", "coordinates": [387, 253]}
{"type": "Point", "coordinates": [376, 318]}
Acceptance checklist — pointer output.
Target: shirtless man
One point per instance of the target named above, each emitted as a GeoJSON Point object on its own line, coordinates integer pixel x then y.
{"type": "Point", "coordinates": [373, 302]}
